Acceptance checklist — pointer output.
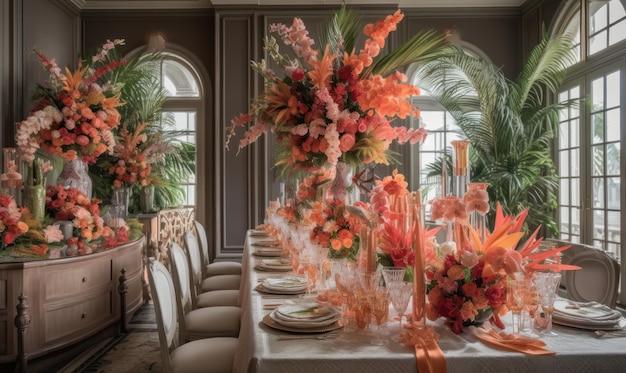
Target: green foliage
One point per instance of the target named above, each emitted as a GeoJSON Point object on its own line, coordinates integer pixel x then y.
{"type": "Point", "coordinates": [509, 123]}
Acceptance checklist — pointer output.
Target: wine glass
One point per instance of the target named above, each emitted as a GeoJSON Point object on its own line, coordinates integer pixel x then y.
{"type": "Point", "coordinates": [400, 295]}
{"type": "Point", "coordinates": [515, 300]}
{"type": "Point", "coordinates": [362, 308]}
{"type": "Point", "coordinates": [531, 305]}
{"type": "Point", "coordinates": [380, 310]}
{"type": "Point", "coordinates": [393, 275]}
{"type": "Point", "coordinates": [547, 284]}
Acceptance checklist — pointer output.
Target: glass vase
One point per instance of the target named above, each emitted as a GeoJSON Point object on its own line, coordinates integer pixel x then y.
{"type": "Point", "coordinates": [461, 178]}
{"type": "Point", "coordinates": [121, 197]}
{"type": "Point", "coordinates": [478, 220]}
{"type": "Point", "coordinates": [75, 175]}
{"type": "Point", "coordinates": [146, 199]}
{"type": "Point", "coordinates": [11, 178]}
{"type": "Point", "coordinates": [342, 182]}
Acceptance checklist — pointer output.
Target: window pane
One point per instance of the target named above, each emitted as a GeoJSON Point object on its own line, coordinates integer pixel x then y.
{"type": "Point", "coordinates": [613, 125]}
{"type": "Point", "coordinates": [598, 225]}
{"type": "Point", "coordinates": [178, 80]}
{"type": "Point", "coordinates": [597, 94]}
{"type": "Point", "coordinates": [612, 90]}
{"type": "Point", "coordinates": [575, 162]}
{"type": "Point", "coordinates": [598, 193]}
{"type": "Point", "coordinates": [597, 17]}
{"type": "Point", "coordinates": [597, 160]}
{"type": "Point", "coordinates": [564, 163]}
{"type": "Point", "coordinates": [612, 159]}
{"type": "Point", "coordinates": [616, 11]}
{"type": "Point", "coordinates": [613, 193]}
{"type": "Point", "coordinates": [575, 192]}
{"type": "Point", "coordinates": [617, 32]}
{"type": "Point", "coordinates": [597, 42]}
{"type": "Point", "coordinates": [564, 192]}
{"type": "Point", "coordinates": [564, 135]}
{"type": "Point", "coordinates": [574, 133]}
{"type": "Point", "coordinates": [597, 131]}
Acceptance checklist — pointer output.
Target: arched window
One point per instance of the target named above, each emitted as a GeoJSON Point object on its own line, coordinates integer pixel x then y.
{"type": "Point", "coordinates": [183, 108]}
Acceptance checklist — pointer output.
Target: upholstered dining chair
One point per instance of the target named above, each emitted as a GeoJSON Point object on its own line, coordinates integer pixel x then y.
{"type": "Point", "coordinates": [199, 299]}
{"type": "Point", "coordinates": [217, 321]}
{"type": "Point", "coordinates": [215, 282]}
{"type": "Point", "coordinates": [597, 280]}
{"type": "Point", "coordinates": [211, 355]}
{"type": "Point", "coordinates": [215, 268]}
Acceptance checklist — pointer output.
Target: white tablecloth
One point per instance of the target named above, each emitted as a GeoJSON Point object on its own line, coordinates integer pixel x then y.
{"type": "Point", "coordinates": [260, 351]}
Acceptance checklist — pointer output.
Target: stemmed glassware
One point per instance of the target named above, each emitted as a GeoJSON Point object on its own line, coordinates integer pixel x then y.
{"type": "Point", "coordinates": [400, 295]}
{"type": "Point", "coordinates": [531, 305]}
{"type": "Point", "coordinates": [393, 275]}
{"type": "Point", "coordinates": [380, 310]}
{"type": "Point", "coordinates": [547, 284]}
{"type": "Point", "coordinates": [515, 300]}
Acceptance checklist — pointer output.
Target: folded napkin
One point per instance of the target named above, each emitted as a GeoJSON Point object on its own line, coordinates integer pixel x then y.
{"type": "Point", "coordinates": [512, 342]}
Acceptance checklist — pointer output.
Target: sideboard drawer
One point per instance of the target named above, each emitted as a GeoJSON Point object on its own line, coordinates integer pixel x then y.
{"type": "Point", "coordinates": [69, 280]}
{"type": "Point", "coordinates": [77, 318]}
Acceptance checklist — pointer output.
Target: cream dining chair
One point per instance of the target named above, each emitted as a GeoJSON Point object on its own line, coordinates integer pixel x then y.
{"type": "Point", "coordinates": [598, 278]}
{"type": "Point", "coordinates": [216, 268]}
{"type": "Point", "coordinates": [226, 297]}
{"type": "Point", "coordinates": [209, 355]}
{"type": "Point", "coordinates": [217, 321]}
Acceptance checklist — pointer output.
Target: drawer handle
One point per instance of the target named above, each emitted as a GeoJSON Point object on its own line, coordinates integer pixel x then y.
{"type": "Point", "coordinates": [83, 316]}
{"type": "Point", "coordinates": [84, 279]}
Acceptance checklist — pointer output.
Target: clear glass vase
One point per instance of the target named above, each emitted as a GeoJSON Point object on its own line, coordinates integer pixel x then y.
{"type": "Point", "coordinates": [75, 175]}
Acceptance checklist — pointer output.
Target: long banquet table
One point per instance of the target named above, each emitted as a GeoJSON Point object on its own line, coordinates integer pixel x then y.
{"type": "Point", "coordinates": [260, 350]}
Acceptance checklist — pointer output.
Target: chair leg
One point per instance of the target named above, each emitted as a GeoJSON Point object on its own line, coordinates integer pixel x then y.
{"type": "Point", "coordinates": [122, 288]}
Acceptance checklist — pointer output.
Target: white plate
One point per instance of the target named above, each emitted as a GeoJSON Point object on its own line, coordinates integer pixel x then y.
{"type": "Point", "coordinates": [585, 311]}
{"type": "Point", "coordinates": [305, 310]}
{"type": "Point", "coordinates": [285, 283]}
{"type": "Point", "coordinates": [304, 323]}
{"type": "Point", "coordinates": [619, 325]}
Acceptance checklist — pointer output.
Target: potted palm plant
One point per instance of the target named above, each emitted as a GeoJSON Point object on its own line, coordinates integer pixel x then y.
{"type": "Point", "coordinates": [147, 136]}
{"type": "Point", "coordinates": [508, 122]}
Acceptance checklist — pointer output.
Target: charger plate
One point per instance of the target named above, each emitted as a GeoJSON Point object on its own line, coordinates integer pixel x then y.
{"type": "Point", "coordinates": [267, 320]}
{"type": "Point", "coordinates": [262, 289]}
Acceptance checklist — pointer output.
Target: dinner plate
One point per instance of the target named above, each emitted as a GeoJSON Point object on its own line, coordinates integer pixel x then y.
{"type": "Point", "coordinates": [305, 311]}
{"type": "Point", "coordinates": [619, 325]}
{"type": "Point", "coordinates": [258, 233]}
{"type": "Point", "coordinates": [584, 311]}
{"type": "Point", "coordinates": [267, 320]}
{"type": "Point", "coordinates": [268, 253]}
{"type": "Point", "coordinates": [271, 268]}
{"type": "Point", "coordinates": [285, 283]}
{"type": "Point", "coordinates": [304, 323]}
{"type": "Point", "coordinates": [261, 288]}
{"type": "Point", "coordinates": [266, 243]}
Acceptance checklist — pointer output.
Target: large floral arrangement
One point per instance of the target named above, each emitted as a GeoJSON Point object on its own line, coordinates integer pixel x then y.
{"type": "Point", "coordinates": [335, 104]}
{"type": "Point", "coordinates": [71, 204]}
{"type": "Point", "coordinates": [469, 281]}
{"type": "Point", "coordinates": [133, 157]}
{"type": "Point", "coordinates": [74, 115]}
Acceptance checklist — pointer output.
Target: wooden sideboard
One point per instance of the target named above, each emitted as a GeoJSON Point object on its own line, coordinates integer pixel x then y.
{"type": "Point", "coordinates": [69, 299]}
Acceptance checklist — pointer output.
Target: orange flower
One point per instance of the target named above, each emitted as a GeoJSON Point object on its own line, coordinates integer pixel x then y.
{"type": "Point", "coordinates": [322, 70]}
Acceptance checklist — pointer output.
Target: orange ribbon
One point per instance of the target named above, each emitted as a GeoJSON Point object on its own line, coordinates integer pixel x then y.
{"type": "Point", "coordinates": [430, 358]}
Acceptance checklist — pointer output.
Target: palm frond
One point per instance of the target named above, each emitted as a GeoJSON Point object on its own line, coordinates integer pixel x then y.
{"type": "Point", "coordinates": [341, 31]}
{"type": "Point", "coordinates": [423, 46]}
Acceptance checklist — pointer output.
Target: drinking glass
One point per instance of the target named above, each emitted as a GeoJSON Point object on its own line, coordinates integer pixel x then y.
{"type": "Point", "coordinates": [362, 308]}
{"type": "Point", "coordinates": [515, 301]}
{"type": "Point", "coordinates": [393, 275]}
{"type": "Point", "coordinates": [380, 310]}
{"type": "Point", "coordinates": [547, 284]}
{"type": "Point", "coordinates": [531, 305]}
{"type": "Point", "coordinates": [400, 295]}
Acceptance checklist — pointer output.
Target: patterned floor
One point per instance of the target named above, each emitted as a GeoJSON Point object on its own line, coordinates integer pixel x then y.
{"type": "Point", "coordinates": [136, 352]}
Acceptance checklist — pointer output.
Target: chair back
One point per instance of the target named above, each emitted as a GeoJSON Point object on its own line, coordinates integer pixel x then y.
{"type": "Point", "coordinates": [204, 245]}
{"type": "Point", "coordinates": [163, 297]}
{"type": "Point", "coordinates": [597, 280]}
{"type": "Point", "coordinates": [195, 261]}
{"type": "Point", "coordinates": [180, 273]}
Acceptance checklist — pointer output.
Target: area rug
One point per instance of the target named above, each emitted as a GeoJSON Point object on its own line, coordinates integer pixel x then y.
{"type": "Point", "coordinates": [137, 351]}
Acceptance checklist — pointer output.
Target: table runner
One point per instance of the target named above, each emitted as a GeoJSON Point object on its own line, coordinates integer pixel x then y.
{"type": "Point", "coordinates": [260, 351]}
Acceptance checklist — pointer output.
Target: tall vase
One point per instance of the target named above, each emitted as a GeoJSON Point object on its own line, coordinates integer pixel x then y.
{"type": "Point", "coordinates": [11, 178]}
{"type": "Point", "coordinates": [419, 284]}
{"type": "Point", "coordinates": [121, 197]}
{"type": "Point", "coordinates": [34, 194]}
{"type": "Point", "coordinates": [478, 220]}
{"type": "Point", "coordinates": [341, 183]}
{"type": "Point", "coordinates": [146, 199]}
{"type": "Point", "coordinates": [461, 178]}
{"type": "Point", "coordinates": [75, 175]}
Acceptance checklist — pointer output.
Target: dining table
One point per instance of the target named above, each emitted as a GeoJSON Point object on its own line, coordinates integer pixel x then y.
{"type": "Point", "coordinates": [264, 349]}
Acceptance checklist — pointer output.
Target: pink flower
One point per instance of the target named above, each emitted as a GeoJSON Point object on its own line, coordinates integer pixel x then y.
{"type": "Point", "coordinates": [52, 233]}
{"type": "Point", "coordinates": [346, 142]}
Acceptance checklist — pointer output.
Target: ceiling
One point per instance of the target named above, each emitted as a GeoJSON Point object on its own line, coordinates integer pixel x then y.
{"type": "Point", "coordinates": [194, 4]}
